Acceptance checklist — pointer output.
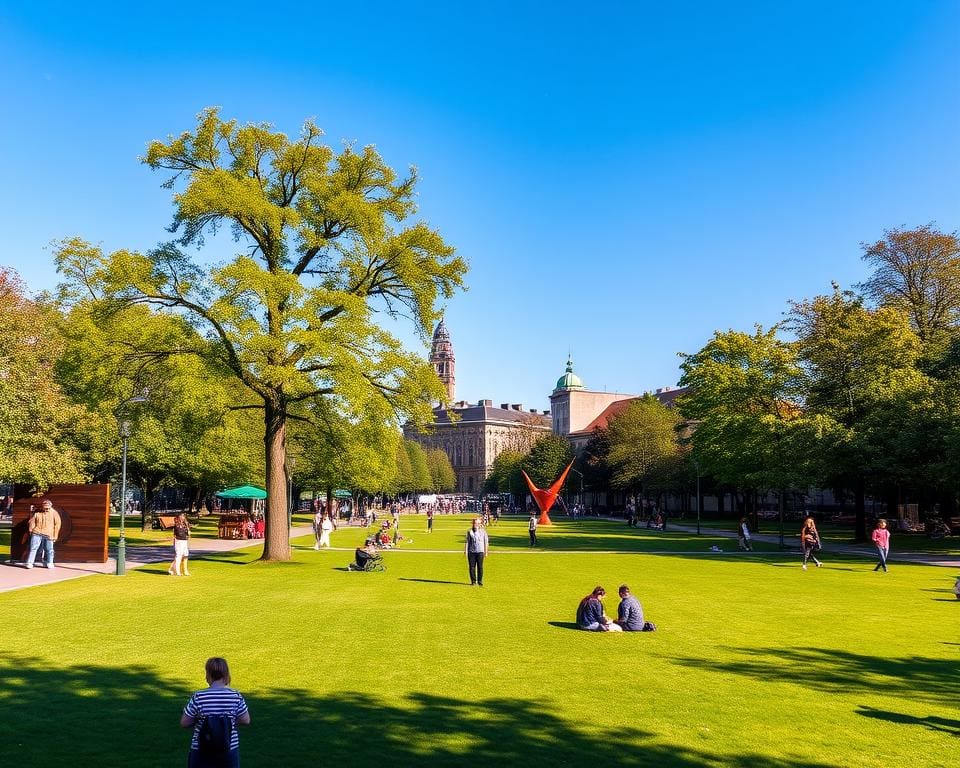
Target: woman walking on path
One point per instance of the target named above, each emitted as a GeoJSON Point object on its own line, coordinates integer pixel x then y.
{"type": "Point", "coordinates": [881, 538]}
{"type": "Point", "coordinates": [325, 527]}
{"type": "Point", "coordinates": [318, 519]}
{"type": "Point", "coordinates": [810, 540]}
{"type": "Point", "coordinates": [743, 535]}
{"type": "Point", "coordinates": [181, 546]}
{"type": "Point", "coordinates": [214, 714]}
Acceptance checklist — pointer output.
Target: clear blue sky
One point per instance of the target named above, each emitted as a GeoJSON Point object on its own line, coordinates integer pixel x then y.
{"type": "Point", "coordinates": [624, 178]}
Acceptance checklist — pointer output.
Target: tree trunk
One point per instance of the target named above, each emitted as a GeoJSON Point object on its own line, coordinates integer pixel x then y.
{"type": "Point", "coordinates": [276, 539]}
{"type": "Point", "coordinates": [860, 508]}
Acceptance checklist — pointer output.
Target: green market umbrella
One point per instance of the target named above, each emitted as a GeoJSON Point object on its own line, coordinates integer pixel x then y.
{"type": "Point", "coordinates": [243, 492]}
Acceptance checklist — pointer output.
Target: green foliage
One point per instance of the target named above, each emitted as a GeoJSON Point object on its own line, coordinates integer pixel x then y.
{"type": "Point", "coordinates": [188, 431]}
{"type": "Point", "coordinates": [505, 474]}
{"type": "Point", "coordinates": [442, 476]}
{"type": "Point", "coordinates": [40, 427]}
{"type": "Point", "coordinates": [745, 409]}
{"type": "Point", "coordinates": [547, 459]}
{"type": "Point", "coordinates": [644, 449]}
{"type": "Point", "coordinates": [420, 477]}
{"type": "Point", "coordinates": [918, 273]}
{"type": "Point", "coordinates": [327, 245]}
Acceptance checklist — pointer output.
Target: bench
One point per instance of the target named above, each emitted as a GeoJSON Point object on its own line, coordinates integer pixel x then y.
{"type": "Point", "coordinates": [165, 522]}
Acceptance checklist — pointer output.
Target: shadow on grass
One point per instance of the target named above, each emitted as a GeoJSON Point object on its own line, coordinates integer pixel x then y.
{"type": "Point", "coordinates": [437, 581]}
{"type": "Point", "coordinates": [564, 624]}
{"type": "Point", "coordinates": [933, 723]}
{"type": "Point", "coordinates": [128, 717]}
{"type": "Point", "coordinates": [920, 678]}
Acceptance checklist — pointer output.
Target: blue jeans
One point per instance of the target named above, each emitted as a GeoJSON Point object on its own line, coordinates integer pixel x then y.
{"type": "Point", "coordinates": [37, 541]}
{"type": "Point", "coordinates": [882, 552]}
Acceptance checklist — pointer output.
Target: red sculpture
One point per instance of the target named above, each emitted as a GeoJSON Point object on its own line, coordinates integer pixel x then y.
{"type": "Point", "coordinates": [546, 498]}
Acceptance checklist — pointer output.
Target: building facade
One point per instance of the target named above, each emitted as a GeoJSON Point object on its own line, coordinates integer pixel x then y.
{"type": "Point", "coordinates": [473, 435]}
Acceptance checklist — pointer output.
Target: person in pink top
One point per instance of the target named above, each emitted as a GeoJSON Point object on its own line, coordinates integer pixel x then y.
{"type": "Point", "coordinates": [881, 538]}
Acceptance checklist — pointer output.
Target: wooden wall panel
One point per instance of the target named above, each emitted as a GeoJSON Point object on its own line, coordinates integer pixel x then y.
{"type": "Point", "coordinates": [85, 522]}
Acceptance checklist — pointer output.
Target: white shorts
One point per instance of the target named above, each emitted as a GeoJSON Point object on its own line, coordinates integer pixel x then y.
{"type": "Point", "coordinates": [181, 547]}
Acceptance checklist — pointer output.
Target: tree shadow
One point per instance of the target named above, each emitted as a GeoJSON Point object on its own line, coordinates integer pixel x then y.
{"type": "Point", "coordinates": [296, 728]}
{"type": "Point", "coordinates": [564, 624]}
{"type": "Point", "coordinates": [920, 678]}
{"type": "Point", "coordinates": [933, 723]}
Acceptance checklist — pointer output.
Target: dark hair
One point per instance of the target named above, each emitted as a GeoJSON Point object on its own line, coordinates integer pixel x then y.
{"type": "Point", "coordinates": [597, 591]}
{"type": "Point", "coordinates": [217, 669]}
{"type": "Point", "coordinates": [624, 588]}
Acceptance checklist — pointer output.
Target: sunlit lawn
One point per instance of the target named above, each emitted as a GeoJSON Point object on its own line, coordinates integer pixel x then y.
{"type": "Point", "coordinates": [756, 662]}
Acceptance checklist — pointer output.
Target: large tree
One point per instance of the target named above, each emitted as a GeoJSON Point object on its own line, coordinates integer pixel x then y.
{"type": "Point", "coordinates": [40, 427]}
{"type": "Point", "coordinates": [644, 448]}
{"type": "Point", "coordinates": [917, 271]}
{"type": "Point", "coordinates": [327, 242]}
{"type": "Point", "coordinates": [861, 365]}
{"type": "Point", "coordinates": [744, 406]}
{"type": "Point", "coordinates": [185, 432]}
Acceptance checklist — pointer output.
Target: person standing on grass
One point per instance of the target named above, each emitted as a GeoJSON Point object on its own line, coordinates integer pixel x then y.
{"type": "Point", "coordinates": [318, 519]}
{"type": "Point", "coordinates": [430, 519]}
{"type": "Point", "coordinates": [743, 535]}
{"type": "Point", "coordinates": [326, 526]}
{"type": "Point", "coordinates": [225, 709]}
{"type": "Point", "coordinates": [476, 548]}
{"type": "Point", "coordinates": [532, 527]}
{"type": "Point", "coordinates": [44, 527]}
{"type": "Point", "coordinates": [810, 541]}
{"type": "Point", "coordinates": [181, 546]}
{"type": "Point", "coordinates": [881, 538]}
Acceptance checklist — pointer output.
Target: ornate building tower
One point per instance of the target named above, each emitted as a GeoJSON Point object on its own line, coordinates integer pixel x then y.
{"type": "Point", "coordinates": [443, 359]}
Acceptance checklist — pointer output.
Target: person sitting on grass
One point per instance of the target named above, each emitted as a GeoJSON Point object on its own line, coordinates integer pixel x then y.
{"type": "Point", "coordinates": [629, 612]}
{"type": "Point", "coordinates": [590, 615]}
{"type": "Point", "coordinates": [364, 555]}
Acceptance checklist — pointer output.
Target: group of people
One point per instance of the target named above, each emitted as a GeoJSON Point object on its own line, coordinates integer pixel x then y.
{"type": "Point", "coordinates": [591, 615]}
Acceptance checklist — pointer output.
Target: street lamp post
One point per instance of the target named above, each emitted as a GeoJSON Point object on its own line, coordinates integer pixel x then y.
{"type": "Point", "coordinates": [581, 485]}
{"type": "Point", "coordinates": [122, 543]}
{"type": "Point", "coordinates": [125, 434]}
{"type": "Point", "coordinates": [697, 465]}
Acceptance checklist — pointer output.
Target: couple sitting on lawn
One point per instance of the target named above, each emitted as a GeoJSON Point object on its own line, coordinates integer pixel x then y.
{"type": "Point", "coordinates": [590, 615]}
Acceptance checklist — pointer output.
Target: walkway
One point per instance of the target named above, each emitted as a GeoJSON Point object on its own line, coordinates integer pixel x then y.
{"type": "Point", "coordinates": [15, 576]}
{"type": "Point", "coordinates": [944, 559]}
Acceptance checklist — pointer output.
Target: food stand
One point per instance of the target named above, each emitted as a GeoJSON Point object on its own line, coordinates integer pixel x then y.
{"type": "Point", "coordinates": [235, 524]}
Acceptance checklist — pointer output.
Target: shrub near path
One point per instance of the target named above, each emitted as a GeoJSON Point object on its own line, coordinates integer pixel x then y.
{"type": "Point", "coordinates": [756, 663]}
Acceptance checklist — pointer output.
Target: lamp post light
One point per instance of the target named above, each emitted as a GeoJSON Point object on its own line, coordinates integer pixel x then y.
{"type": "Point", "coordinates": [697, 465]}
{"type": "Point", "coordinates": [581, 486]}
{"type": "Point", "coordinates": [125, 434]}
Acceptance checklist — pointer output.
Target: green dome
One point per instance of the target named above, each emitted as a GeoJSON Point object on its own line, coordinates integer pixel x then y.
{"type": "Point", "coordinates": [569, 380]}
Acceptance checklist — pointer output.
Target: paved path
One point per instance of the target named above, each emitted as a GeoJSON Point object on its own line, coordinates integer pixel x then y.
{"type": "Point", "coordinates": [944, 559]}
{"type": "Point", "coordinates": [15, 576]}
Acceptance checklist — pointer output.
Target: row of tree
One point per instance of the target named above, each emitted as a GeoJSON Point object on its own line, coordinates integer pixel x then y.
{"type": "Point", "coordinates": [857, 391]}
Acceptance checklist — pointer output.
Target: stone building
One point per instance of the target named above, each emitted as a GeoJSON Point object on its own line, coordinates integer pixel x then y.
{"type": "Point", "coordinates": [473, 435]}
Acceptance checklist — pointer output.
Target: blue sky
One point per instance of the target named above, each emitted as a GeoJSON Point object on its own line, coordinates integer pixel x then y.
{"type": "Point", "coordinates": [624, 178]}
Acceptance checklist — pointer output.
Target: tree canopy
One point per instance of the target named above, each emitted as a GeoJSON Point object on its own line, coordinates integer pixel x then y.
{"type": "Point", "coordinates": [327, 244]}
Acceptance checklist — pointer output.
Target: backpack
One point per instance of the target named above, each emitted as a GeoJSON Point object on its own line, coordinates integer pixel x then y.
{"type": "Point", "coordinates": [215, 735]}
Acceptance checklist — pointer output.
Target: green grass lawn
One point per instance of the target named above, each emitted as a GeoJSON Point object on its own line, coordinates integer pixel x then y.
{"type": "Point", "coordinates": [756, 662]}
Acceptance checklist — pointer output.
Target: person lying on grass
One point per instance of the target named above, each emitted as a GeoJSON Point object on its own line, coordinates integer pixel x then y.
{"type": "Point", "coordinates": [590, 615]}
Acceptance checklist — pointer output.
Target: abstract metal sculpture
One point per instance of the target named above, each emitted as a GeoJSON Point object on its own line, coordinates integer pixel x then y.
{"type": "Point", "coordinates": [546, 498]}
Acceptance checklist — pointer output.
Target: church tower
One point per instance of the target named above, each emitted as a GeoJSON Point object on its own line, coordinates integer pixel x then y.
{"type": "Point", "coordinates": [443, 360]}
